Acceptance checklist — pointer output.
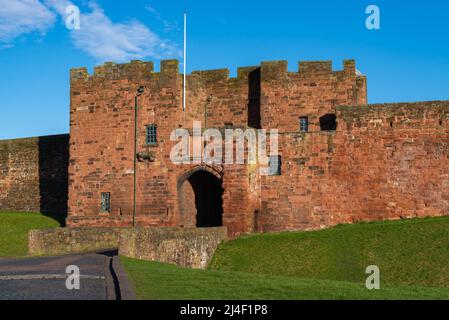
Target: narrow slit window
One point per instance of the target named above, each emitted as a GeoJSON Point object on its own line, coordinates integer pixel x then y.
{"type": "Point", "coordinates": [151, 134]}
{"type": "Point", "coordinates": [105, 202]}
{"type": "Point", "coordinates": [303, 124]}
{"type": "Point", "coordinates": [274, 166]}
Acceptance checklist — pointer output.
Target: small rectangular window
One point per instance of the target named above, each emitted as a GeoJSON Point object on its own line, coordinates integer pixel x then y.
{"type": "Point", "coordinates": [274, 166]}
{"type": "Point", "coordinates": [105, 202]}
{"type": "Point", "coordinates": [303, 124]}
{"type": "Point", "coordinates": [151, 134]}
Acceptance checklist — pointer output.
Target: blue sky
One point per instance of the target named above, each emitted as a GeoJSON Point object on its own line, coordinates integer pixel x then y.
{"type": "Point", "coordinates": [406, 60]}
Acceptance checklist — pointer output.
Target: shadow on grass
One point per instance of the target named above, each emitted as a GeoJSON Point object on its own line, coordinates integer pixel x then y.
{"type": "Point", "coordinates": [60, 218]}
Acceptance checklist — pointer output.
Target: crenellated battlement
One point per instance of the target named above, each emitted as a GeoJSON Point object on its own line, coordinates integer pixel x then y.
{"type": "Point", "coordinates": [315, 66]}
{"type": "Point", "coordinates": [212, 75]}
{"type": "Point", "coordinates": [325, 67]}
{"type": "Point", "coordinates": [110, 69]}
{"type": "Point", "coordinates": [269, 69]}
{"type": "Point", "coordinates": [223, 75]}
{"type": "Point", "coordinates": [278, 69]}
{"type": "Point", "coordinates": [259, 95]}
{"type": "Point", "coordinates": [134, 69]}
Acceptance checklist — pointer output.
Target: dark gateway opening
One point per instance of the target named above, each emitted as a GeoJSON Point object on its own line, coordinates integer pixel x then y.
{"type": "Point", "coordinates": [208, 199]}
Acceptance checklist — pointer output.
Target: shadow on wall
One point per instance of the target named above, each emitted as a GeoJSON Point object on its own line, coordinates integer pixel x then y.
{"type": "Point", "coordinates": [254, 99]}
{"type": "Point", "coordinates": [53, 176]}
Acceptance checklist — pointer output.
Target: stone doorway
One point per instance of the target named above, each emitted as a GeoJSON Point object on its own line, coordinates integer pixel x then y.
{"type": "Point", "coordinates": [201, 200]}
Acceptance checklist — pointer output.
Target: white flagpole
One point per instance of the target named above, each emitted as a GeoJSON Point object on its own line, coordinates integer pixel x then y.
{"type": "Point", "coordinates": [184, 64]}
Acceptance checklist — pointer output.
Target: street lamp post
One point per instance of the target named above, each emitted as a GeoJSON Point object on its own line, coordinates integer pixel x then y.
{"type": "Point", "coordinates": [139, 92]}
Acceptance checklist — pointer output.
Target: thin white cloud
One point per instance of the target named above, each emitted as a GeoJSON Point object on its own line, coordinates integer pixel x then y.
{"type": "Point", "coordinates": [19, 17]}
{"type": "Point", "coordinates": [168, 25]}
{"type": "Point", "coordinates": [106, 40]}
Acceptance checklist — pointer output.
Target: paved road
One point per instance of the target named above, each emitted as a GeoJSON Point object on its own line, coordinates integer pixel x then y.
{"type": "Point", "coordinates": [44, 278]}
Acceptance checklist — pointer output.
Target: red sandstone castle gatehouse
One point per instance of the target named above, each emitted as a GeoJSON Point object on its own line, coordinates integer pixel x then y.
{"type": "Point", "coordinates": [341, 160]}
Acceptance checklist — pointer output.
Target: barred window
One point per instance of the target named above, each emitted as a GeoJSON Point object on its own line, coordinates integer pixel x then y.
{"type": "Point", "coordinates": [151, 134]}
{"type": "Point", "coordinates": [274, 166]}
{"type": "Point", "coordinates": [303, 124]}
{"type": "Point", "coordinates": [105, 202]}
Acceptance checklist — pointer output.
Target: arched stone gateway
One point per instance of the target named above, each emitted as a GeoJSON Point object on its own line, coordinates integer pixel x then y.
{"type": "Point", "coordinates": [200, 195]}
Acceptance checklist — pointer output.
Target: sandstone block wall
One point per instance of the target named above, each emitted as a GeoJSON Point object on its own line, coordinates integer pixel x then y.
{"type": "Point", "coordinates": [192, 247]}
{"type": "Point", "coordinates": [72, 240]}
{"type": "Point", "coordinates": [297, 199]}
{"type": "Point", "coordinates": [102, 135]}
{"type": "Point", "coordinates": [386, 161]}
{"type": "Point", "coordinates": [314, 91]}
{"type": "Point", "coordinates": [33, 174]}
{"type": "Point", "coordinates": [187, 247]}
{"type": "Point", "coordinates": [391, 161]}
{"type": "Point", "coordinates": [102, 140]}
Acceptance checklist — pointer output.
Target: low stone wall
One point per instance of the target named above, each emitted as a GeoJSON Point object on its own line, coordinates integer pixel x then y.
{"type": "Point", "coordinates": [187, 247]}
{"type": "Point", "coordinates": [72, 240]}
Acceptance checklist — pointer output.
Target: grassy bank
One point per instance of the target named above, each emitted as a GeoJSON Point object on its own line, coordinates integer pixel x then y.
{"type": "Point", "coordinates": [328, 264]}
{"type": "Point", "coordinates": [14, 227]}
{"type": "Point", "coordinates": [155, 280]}
{"type": "Point", "coordinates": [409, 252]}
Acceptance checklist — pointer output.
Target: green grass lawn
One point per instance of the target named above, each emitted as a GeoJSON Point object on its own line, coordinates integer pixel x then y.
{"type": "Point", "coordinates": [14, 227]}
{"type": "Point", "coordinates": [413, 257]}
{"type": "Point", "coordinates": [408, 252]}
{"type": "Point", "coordinates": [155, 281]}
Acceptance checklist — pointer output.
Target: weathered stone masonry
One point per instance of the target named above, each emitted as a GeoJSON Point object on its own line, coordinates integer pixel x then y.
{"type": "Point", "coordinates": [380, 162]}
{"type": "Point", "coordinates": [33, 174]}
{"type": "Point", "coordinates": [383, 162]}
{"type": "Point", "coordinates": [356, 162]}
{"type": "Point", "coordinates": [102, 126]}
{"type": "Point", "coordinates": [187, 247]}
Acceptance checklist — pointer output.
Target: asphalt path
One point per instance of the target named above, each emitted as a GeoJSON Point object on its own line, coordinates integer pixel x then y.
{"type": "Point", "coordinates": [44, 278]}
